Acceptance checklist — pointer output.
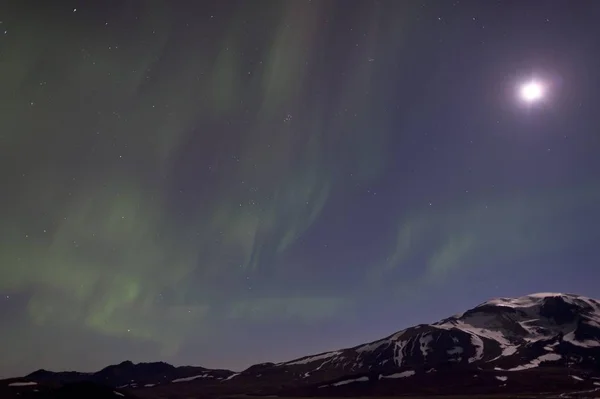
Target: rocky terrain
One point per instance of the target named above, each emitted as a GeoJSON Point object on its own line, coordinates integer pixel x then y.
{"type": "Point", "coordinates": [537, 344]}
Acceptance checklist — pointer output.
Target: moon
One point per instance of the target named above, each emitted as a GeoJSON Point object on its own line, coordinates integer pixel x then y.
{"type": "Point", "coordinates": [532, 91]}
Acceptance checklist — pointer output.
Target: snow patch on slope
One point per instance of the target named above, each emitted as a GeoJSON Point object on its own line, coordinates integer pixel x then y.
{"type": "Point", "coordinates": [549, 357]}
{"type": "Point", "coordinates": [231, 377]}
{"type": "Point", "coordinates": [311, 359]}
{"type": "Point", "coordinates": [550, 348]}
{"type": "Point", "coordinates": [371, 347]}
{"type": "Point", "coordinates": [360, 379]}
{"type": "Point", "coordinates": [424, 342]}
{"type": "Point", "coordinates": [337, 384]}
{"type": "Point", "coordinates": [22, 384]}
{"type": "Point", "coordinates": [477, 343]}
{"type": "Point", "coordinates": [404, 374]}
{"type": "Point", "coordinates": [399, 352]}
{"type": "Point", "coordinates": [570, 337]}
{"type": "Point", "coordinates": [192, 378]}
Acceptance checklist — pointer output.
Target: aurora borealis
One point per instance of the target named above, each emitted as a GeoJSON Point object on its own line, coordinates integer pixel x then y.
{"type": "Point", "coordinates": [224, 183]}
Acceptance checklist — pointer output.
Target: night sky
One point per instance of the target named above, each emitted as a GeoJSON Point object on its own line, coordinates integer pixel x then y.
{"type": "Point", "coordinates": [222, 183]}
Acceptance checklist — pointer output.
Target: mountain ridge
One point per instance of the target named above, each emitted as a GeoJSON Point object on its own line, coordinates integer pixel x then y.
{"type": "Point", "coordinates": [497, 345]}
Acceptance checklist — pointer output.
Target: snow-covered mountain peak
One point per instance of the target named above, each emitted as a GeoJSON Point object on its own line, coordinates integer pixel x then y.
{"type": "Point", "coordinates": [504, 333]}
{"type": "Point", "coordinates": [539, 299]}
{"type": "Point", "coordinates": [555, 308]}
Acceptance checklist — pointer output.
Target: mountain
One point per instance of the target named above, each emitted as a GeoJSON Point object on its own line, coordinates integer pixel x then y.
{"type": "Point", "coordinates": [122, 379]}
{"type": "Point", "coordinates": [507, 341]}
{"type": "Point", "coordinates": [130, 375]}
{"type": "Point", "coordinates": [536, 343]}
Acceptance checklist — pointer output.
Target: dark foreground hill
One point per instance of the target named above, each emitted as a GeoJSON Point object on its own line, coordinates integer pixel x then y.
{"type": "Point", "coordinates": [541, 343]}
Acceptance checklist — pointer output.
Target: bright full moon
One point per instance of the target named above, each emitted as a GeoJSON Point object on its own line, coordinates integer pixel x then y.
{"type": "Point", "coordinates": [532, 91]}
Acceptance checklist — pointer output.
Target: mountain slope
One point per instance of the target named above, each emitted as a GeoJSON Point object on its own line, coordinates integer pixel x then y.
{"type": "Point", "coordinates": [501, 344]}
{"type": "Point", "coordinates": [499, 335]}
